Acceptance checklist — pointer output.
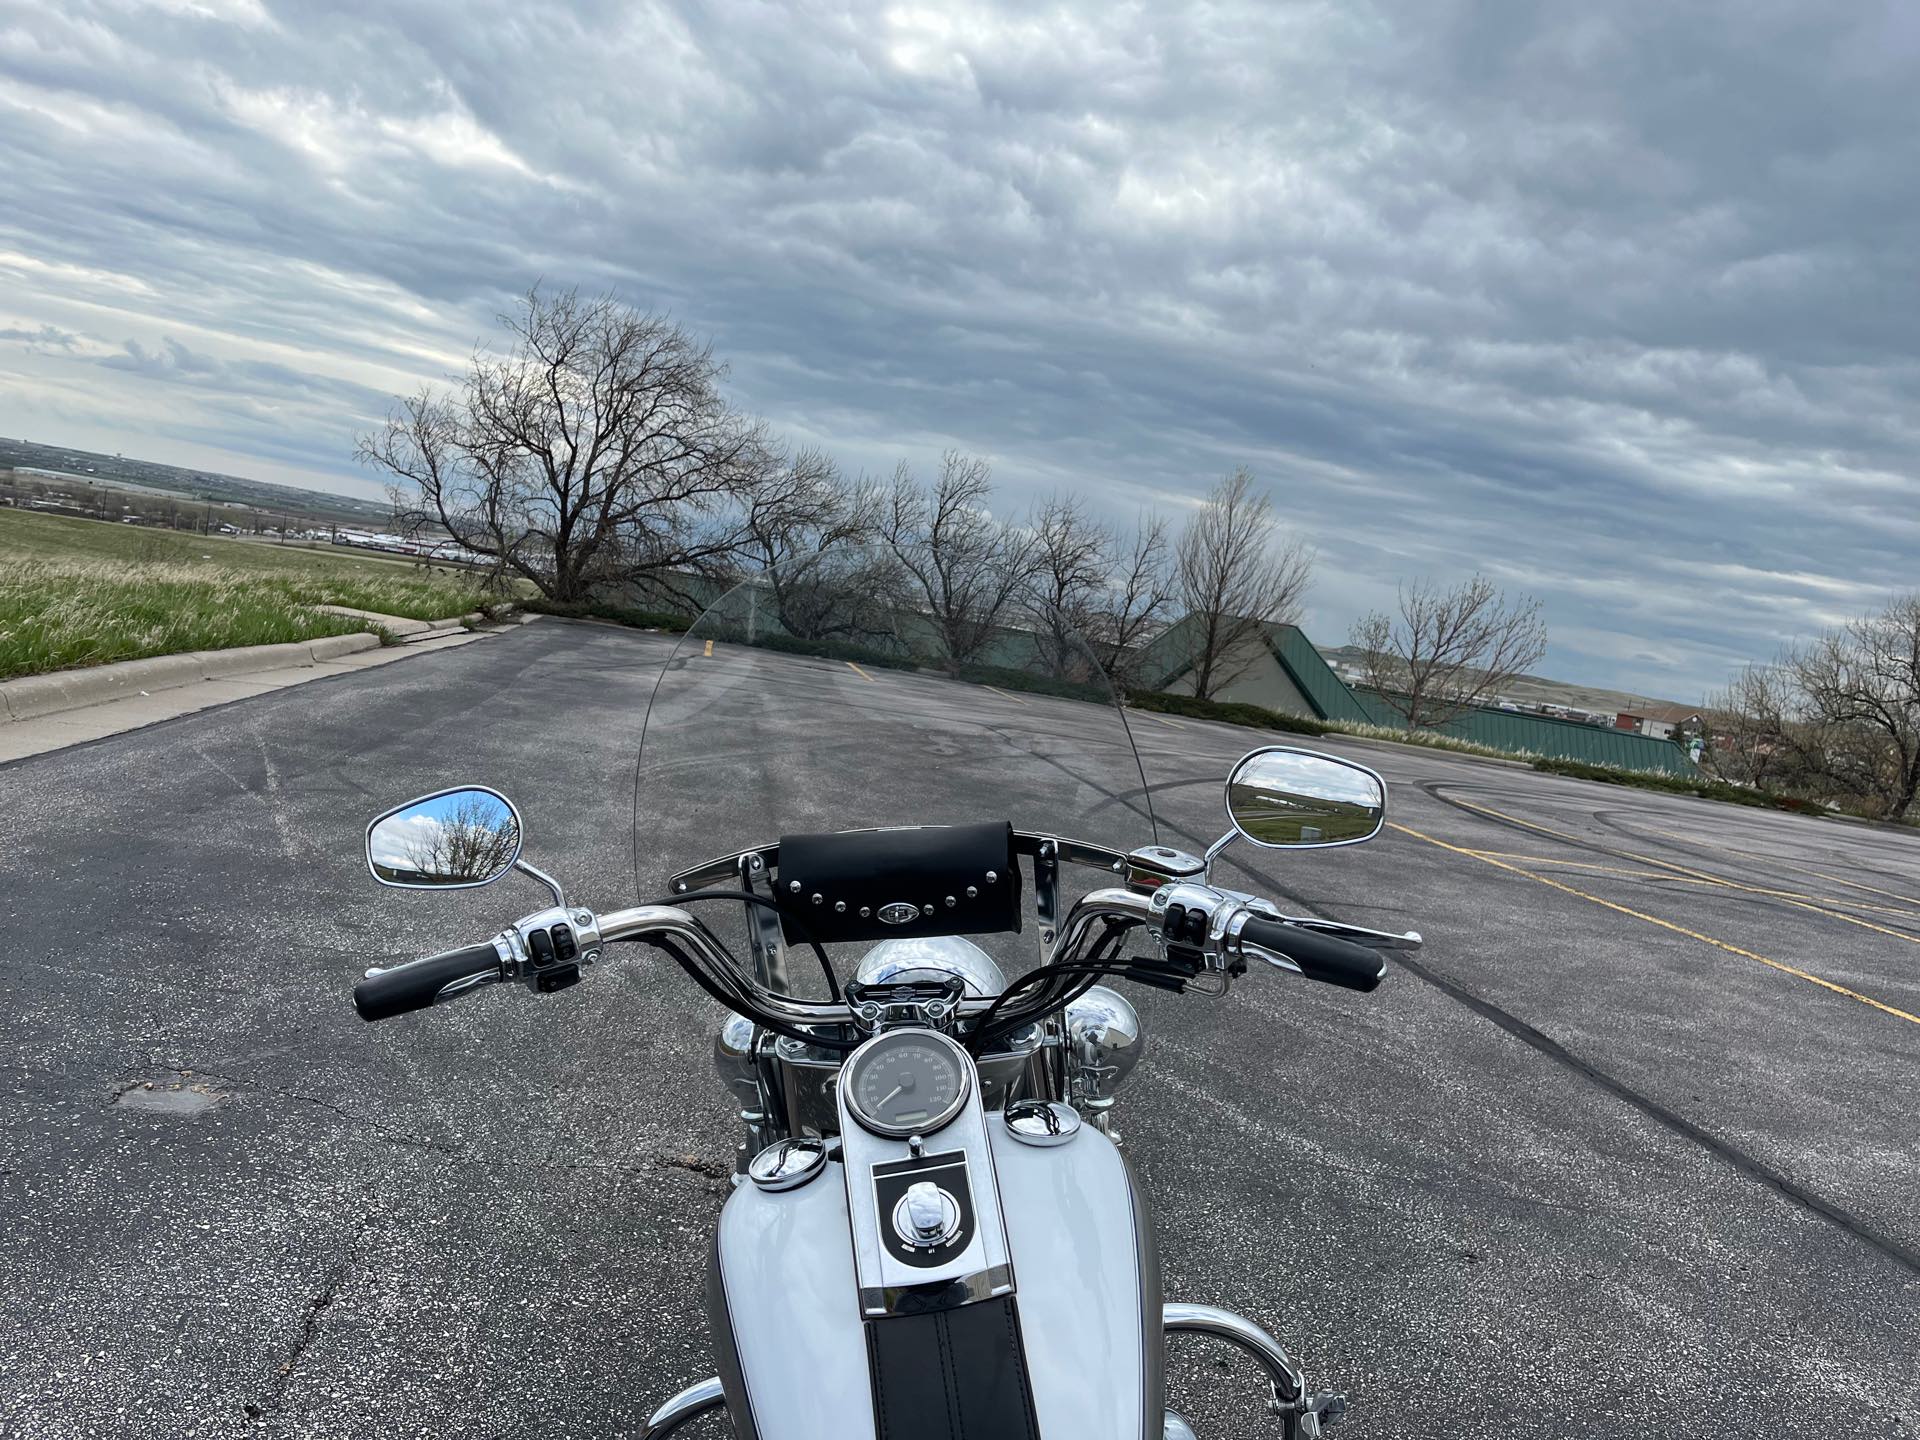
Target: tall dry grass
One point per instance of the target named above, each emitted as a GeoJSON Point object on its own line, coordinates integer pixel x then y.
{"type": "Point", "coordinates": [59, 615]}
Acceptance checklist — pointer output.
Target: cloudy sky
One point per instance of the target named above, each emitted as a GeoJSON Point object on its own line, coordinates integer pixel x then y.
{"type": "Point", "coordinates": [1615, 301]}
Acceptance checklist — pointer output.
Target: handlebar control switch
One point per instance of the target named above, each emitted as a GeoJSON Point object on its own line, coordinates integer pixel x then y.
{"type": "Point", "coordinates": [549, 948]}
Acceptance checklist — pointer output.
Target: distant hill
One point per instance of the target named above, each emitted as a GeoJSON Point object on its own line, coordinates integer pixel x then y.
{"type": "Point", "coordinates": [1535, 689]}
{"type": "Point", "coordinates": [203, 485]}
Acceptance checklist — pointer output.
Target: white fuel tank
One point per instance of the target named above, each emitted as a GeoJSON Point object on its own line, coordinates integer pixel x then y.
{"type": "Point", "coordinates": [793, 1347]}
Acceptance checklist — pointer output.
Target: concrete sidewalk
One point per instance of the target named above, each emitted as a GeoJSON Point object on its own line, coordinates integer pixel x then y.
{"type": "Point", "coordinates": [49, 712]}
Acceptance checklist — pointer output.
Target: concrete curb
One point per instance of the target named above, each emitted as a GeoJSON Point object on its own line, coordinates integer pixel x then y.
{"type": "Point", "coordinates": [33, 696]}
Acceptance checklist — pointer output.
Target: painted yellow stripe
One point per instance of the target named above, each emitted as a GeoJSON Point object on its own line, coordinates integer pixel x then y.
{"type": "Point", "coordinates": [1568, 863]}
{"type": "Point", "coordinates": [1787, 897]}
{"type": "Point", "coordinates": [1158, 719]}
{"type": "Point", "coordinates": [1003, 694]}
{"type": "Point", "coordinates": [709, 647]}
{"type": "Point", "coordinates": [858, 671]}
{"type": "Point", "coordinates": [1783, 968]}
{"type": "Point", "coordinates": [1785, 865]}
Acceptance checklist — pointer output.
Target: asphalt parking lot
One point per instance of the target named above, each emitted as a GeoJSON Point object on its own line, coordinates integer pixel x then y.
{"type": "Point", "coordinates": [1632, 1146]}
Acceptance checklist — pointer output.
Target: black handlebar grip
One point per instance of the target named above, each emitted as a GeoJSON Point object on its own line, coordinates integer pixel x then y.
{"type": "Point", "coordinates": [414, 986]}
{"type": "Point", "coordinates": [1326, 958]}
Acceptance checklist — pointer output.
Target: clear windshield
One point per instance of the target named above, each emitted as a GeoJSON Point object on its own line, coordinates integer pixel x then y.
{"type": "Point", "coordinates": [797, 704]}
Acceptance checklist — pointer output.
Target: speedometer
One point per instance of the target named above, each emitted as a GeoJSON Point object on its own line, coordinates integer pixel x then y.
{"type": "Point", "coordinates": [907, 1082]}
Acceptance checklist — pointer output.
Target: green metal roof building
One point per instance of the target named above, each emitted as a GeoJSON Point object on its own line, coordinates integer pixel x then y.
{"type": "Point", "coordinates": [1281, 670]}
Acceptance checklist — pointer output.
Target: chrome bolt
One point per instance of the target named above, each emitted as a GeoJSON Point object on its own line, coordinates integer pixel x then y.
{"type": "Point", "coordinates": [839, 907]}
{"type": "Point", "coordinates": [793, 887]}
{"type": "Point", "coordinates": [926, 909]}
{"type": "Point", "coordinates": [972, 891]}
{"type": "Point", "coordinates": [992, 877]}
{"type": "Point", "coordinates": [818, 898]}
{"type": "Point", "coordinates": [950, 902]}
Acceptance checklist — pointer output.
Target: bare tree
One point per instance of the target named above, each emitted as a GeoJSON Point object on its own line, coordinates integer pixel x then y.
{"type": "Point", "coordinates": [1139, 592]}
{"type": "Point", "coordinates": [598, 447]}
{"type": "Point", "coordinates": [1860, 687]}
{"type": "Point", "coordinates": [1757, 730]}
{"type": "Point", "coordinates": [1448, 650]}
{"type": "Point", "coordinates": [1073, 558]}
{"type": "Point", "coordinates": [475, 842]}
{"type": "Point", "coordinates": [965, 568]}
{"type": "Point", "coordinates": [811, 531]}
{"type": "Point", "coordinates": [1236, 574]}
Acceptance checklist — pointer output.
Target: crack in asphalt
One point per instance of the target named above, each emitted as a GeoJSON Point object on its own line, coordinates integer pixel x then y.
{"type": "Point", "coordinates": [315, 1312]}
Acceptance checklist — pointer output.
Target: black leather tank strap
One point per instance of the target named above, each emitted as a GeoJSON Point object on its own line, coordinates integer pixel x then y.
{"type": "Point", "coordinates": [951, 1375]}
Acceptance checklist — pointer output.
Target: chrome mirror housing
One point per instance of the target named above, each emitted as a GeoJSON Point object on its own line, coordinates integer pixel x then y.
{"type": "Point", "coordinates": [450, 840]}
{"type": "Point", "coordinates": [1288, 799]}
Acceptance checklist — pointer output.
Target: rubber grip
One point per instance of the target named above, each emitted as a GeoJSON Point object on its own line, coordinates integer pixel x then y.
{"type": "Point", "coordinates": [413, 986]}
{"type": "Point", "coordinates": [1325, 958]}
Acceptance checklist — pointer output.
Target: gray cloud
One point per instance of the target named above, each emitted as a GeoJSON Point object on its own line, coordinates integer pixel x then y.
{"type": "Point", "coordinates": [1617, 303]}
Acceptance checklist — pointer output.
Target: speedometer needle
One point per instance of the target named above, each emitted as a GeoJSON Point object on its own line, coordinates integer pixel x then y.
{"type": "Point", "coordinates": [888, 1096]}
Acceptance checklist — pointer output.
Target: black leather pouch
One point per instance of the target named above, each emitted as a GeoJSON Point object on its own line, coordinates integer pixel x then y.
{"type": "Point", "coordinates": [876, 884]}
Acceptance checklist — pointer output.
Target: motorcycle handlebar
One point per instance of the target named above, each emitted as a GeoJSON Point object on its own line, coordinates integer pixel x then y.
{"type": "Point", "coordinates": [417, 984]}
{"type": "Point", "coordinates": [1320, 957]}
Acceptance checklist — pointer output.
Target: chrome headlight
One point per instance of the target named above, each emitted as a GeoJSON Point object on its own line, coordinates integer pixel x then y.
{"type": "Point", "coordinates": [946, 954]}
{"type": "Point", "coordinates": [1104, 1043]}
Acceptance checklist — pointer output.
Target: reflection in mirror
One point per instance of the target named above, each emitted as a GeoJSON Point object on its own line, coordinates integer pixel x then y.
{"type": "Point", "coordinates": [455, 838]}
{"type": "Point", "coordinates": [1285, 797]}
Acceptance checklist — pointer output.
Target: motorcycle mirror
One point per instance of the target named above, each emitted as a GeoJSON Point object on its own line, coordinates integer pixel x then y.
{"type": "Point", "coordinates": [1291, 799]}
{"type": "Point", "coordinates": [449, 840]}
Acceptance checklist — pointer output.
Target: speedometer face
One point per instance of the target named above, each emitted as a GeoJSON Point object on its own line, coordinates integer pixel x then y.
{"type": "Point", "coordinates": [907, 1082]}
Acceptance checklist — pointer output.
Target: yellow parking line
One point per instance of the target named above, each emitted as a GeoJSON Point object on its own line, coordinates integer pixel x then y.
{"type": "Point", "coordinates": [1003, 694]}
{"type": "Point", "coordinates": [1785, 864]}
{"type": "Point", "coordinates": [1785, 896]}
{"type": "Point", "coordinates": [1588, 865]}
{"type": "Point", "coordinates": [1568, 863]}
{"type": "Point", "coordinates": [858, 671]}
{"type": "Point", "coordinates": [1161, 719]}
{"type": "Point", "coordinates": [709, 647]}
{"type": "Point", "coordinates": [1784, 969]}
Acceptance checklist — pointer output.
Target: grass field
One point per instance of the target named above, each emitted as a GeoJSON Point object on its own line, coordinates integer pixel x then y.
{"type": "Point", "coordinates": [86, 592]}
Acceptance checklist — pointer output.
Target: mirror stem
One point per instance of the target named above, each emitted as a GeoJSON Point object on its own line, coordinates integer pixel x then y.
{"type": "Point", "coordinates": [1214, 849]}
{"type": "Point", "coordinates": [553, 885]}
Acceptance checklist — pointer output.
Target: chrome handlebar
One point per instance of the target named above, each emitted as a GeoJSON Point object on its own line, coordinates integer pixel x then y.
{"type": "Point", "coordinates": [1211, 922]}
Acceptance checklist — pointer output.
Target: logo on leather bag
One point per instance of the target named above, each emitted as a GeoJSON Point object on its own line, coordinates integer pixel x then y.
{"type": "Point", "coordinates": [898, 913]}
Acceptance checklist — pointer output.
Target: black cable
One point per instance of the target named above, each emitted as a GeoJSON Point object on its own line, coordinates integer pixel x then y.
{"type": "Point", "coordinates": [1088, 973]}
{"type": "Point", "coordinates": [740, 1001]}
{"type": "Point", "coordinates": [826, 965]}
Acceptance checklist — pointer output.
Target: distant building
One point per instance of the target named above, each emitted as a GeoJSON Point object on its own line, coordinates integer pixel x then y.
{"type": "Point", "coordinates": [1277, 667]}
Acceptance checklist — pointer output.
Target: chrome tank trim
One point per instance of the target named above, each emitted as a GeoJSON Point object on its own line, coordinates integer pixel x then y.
{"type": "Point", "coordinates": [942, 1295]}
{"type": "Point", "coordinates": [887, 1283]}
